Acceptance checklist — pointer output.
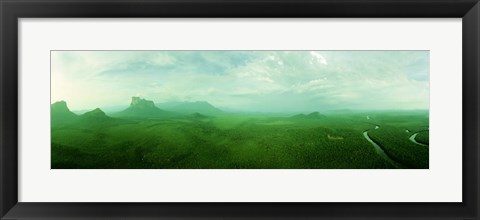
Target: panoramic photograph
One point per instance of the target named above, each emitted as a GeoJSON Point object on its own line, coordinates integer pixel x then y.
{"type": "Point", "coordinates": [240, 109]}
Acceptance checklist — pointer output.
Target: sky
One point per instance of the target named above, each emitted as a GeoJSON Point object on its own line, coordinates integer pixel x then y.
{"type": "Point", "coordinates": [256, 81]}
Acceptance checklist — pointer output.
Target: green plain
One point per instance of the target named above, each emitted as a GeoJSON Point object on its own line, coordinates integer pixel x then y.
{"type": "Point", "coordinates": [233, 141]}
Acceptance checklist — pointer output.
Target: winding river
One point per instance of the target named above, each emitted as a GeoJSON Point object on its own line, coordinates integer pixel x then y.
{"type": "Point", "coordinates": [412, 138]}
{"type": "Point", "coordinates": [380, 151]}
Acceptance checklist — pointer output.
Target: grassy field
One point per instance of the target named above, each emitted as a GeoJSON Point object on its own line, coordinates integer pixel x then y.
{"type": "Point", "coordinates": [231, 141]}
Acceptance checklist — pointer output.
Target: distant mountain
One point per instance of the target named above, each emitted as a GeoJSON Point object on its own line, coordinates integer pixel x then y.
{"type": "Point", "coordinates": [316, 115]}
{"type": "Point", "coordinates": [96, 114]}
{"type": "Point", "coordinates": [197, 115]}
{"type": "Point", "coordinates": [201, 107]}
{"type": "Point", "coordinates": [106, 109]}
{"type": "Point", "coordinates": [60, 113]}
{"type": "Point", "coordinates": [142, 108]}
{"type": "Point", "coordinates": [311, 116]}
{"type": "Point", "coordinates": [97, 119]}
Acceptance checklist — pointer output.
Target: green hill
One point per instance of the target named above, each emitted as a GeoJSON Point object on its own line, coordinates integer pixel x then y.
{"type": "Point", "coordinates": [197, 115]}
{"type": "Point", "coordinates": [60, 113]}
{"type": "Point", "coordinates": [311, 116]}
{"type": "Point", "coordinates": [315, 115]}
{"type": "Point", "coordinates": [96, 115]}
{"type": "Point", "coordinates": [97, 119]}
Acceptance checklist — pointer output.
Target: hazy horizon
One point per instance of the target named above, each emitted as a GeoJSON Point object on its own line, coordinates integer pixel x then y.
{"type": "Point", "coordinates": [248, 81]}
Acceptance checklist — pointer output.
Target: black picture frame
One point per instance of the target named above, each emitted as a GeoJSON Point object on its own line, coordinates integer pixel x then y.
{"type": "Point", "coordinates": [12, 10]}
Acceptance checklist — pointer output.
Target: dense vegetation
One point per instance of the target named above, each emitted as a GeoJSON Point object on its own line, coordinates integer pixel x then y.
{"type": "Point", "coordinates": [394, 135]}
{"type": "Point", "coordinates": [225, 140]}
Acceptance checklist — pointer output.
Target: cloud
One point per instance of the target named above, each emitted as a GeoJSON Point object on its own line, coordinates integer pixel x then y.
{"type": "Point", "coordinates": [245, 80]}
{"type": "Point", "coordinates": [318, 58]}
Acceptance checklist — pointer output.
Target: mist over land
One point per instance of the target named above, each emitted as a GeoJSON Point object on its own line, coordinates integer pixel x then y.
{"type": "Point", "coordinates": [196, 135]}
